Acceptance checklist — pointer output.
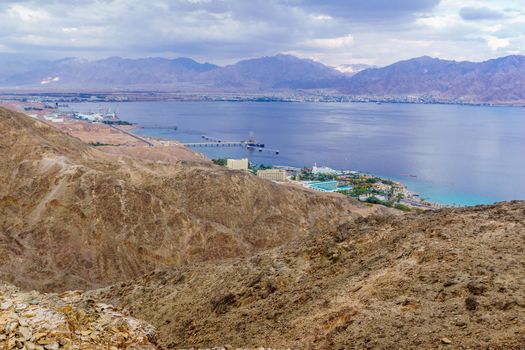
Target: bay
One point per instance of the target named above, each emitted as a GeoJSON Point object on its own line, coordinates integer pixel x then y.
{"type": "Point", "coordinates": [450, 154]}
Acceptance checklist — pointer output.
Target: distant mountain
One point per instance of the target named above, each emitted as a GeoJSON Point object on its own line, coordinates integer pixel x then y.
{"type": "Point", "coordinates": [275, 72]}
{"type": "Point", "coordinates": [497, 80]}
{"type": "Point", "coordinates": [110, 72]}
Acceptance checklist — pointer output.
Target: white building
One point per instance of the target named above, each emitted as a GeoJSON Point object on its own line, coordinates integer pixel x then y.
{"type": "Point", "coordinates": [237, 164]}
{"type": "Point", "coordinates": [364, 197]}
{"type": "Point", "coordinates": [54, 118]}
{"type": "Point", "coordinates": [92, 117]}
{"type": "Point", "coordinates": [323, 170]}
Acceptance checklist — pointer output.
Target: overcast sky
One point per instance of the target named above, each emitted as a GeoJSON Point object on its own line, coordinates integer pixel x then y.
{"type": "Point", "coordinates": [224, 31]}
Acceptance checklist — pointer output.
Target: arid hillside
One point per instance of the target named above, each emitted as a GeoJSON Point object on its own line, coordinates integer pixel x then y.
{"type": "Point", "coordinates": [74, 217]}
{"type": "Point", "coordinates": [451, 279]}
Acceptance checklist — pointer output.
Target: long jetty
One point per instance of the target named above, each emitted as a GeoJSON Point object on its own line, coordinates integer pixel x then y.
{"type": "Point", "coordinates": [245, 144]}
{"type": "Point", "coordinates": [216, 144]}
{"type": "Point", "coordinates": [250, 144]}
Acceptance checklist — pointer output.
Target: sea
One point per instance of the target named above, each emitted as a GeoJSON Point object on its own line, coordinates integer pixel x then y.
{"type": "Point", "coordinates": [449, 154]}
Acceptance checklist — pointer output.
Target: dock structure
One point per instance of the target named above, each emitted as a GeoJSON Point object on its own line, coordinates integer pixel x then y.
{"type": "Point", "coordinates": [216, 144]}
{"type": "Point", "coordinates": [231, 144]}
{"type": "Point", "coordinates": [250, 144]}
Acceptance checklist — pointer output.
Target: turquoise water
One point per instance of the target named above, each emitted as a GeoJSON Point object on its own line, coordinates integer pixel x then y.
{"type": "Point", "coordinates": [449, 154]}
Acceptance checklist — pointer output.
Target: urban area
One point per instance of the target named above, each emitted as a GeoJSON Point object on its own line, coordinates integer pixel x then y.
{"type": "Point", "coordinates": [362, 186]}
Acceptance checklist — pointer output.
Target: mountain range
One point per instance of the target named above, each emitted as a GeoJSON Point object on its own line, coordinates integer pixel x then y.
{"type": "Point", "coordinates": [498, 80]}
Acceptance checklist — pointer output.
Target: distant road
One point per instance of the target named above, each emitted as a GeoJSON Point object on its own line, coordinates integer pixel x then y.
{"type": "Point", "coordinates": [416, 204]}
{"type": "Point", "coordinates": [132, 135]}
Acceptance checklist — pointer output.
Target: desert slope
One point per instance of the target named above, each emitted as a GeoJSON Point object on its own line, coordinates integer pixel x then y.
{"type": "Point", "coordinates": [448, 279]}
{"type": "Point", "coordinates": [74, 217]}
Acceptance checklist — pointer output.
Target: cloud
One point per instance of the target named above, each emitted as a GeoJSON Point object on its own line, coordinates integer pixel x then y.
{"type": "Point", "coordinates": [479, 14]}
{"type": "Point", "coordinates": [495, 43]}
{"type": "Point", "coordinates": [341, 42]}
{"type": "Point", "coordinates": [370, 9]}
{"type": "Point", "coordinates": [27, 14]}
{"type": "Point", "coordinates": [224, 31]}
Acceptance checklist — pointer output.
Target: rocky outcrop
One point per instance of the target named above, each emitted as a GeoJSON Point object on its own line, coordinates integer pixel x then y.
{"type": "Point", "coordinates": [34, 321]}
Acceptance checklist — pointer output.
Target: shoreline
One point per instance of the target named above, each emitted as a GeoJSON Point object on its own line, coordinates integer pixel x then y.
{"type": "Point", "coordinates": [285, 96]}
{"type": "Point", "coordinates": [92, 135]}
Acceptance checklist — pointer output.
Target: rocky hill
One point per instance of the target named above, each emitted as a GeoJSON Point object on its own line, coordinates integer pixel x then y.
{"type": "Point", "coordinates": [454, 279]}
{"type": "Point", "coordinates": [74, 217]}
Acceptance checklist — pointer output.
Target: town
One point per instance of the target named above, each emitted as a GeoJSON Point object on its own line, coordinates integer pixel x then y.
{"type": "Point", "coordinates": [53, 100]}
{"type": "Point", "coordinates": [362, 186]}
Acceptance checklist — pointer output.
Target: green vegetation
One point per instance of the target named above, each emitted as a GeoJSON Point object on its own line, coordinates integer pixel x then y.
{"type": "Point", "coordinates": [264, 167]}
{"type": "Point", "coordinates": [306, 175]}
{"type": "Point", "coordinates": [402, 207]}
{"type": "Point", "coordinates": [117, 122]}
{"type": "Point", "coordinates": [220, 161]}
{"type": "Point", "coordinates": [99, 144]}
{"type": "Point", "coordinates": [375, 200]}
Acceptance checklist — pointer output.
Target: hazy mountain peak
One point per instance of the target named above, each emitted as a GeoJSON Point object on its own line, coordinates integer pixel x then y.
{"type": "Point", "coordinates": [281, 71]}
{"type": "Point", "coordinates": [497, 80]}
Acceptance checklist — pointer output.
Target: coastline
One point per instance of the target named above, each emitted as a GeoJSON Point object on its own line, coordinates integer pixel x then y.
{"type": "Point", "coordinates": [410, 198]}
{"type": "Point", "coordinates": [105, 141]}
{"type": "Point", "coordinates": [284, 96]}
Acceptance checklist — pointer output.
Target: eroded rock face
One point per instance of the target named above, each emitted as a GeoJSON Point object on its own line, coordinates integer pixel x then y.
{"type": "Point", "coordinates": [34, 321]}
{"type": "Point", "coordinates": [73, 217]}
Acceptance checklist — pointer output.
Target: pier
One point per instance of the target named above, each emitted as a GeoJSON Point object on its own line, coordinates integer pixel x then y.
{"type": "Point", "coordinates": [216, 144]}
{"type": "Point", "coordinates": [250, 144]}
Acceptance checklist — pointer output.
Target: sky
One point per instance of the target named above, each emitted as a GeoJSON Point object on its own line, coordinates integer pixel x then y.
{"type": "Point", "coordinates": [377, 32]}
